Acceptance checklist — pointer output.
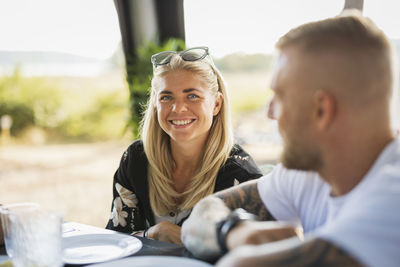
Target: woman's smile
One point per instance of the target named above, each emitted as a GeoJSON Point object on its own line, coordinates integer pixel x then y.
{"type": "Point", "coordinates": [181, 123]}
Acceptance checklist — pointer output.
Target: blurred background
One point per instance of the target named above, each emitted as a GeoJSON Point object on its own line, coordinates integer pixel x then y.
{"type": "Point", "coordinates": [69, 99]}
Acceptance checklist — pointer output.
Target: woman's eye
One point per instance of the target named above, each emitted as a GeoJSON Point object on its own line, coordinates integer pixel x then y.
{"type": "Point", "coordinates": [165, 98]}
{"type": "Point", "coordinates": [193, 96]}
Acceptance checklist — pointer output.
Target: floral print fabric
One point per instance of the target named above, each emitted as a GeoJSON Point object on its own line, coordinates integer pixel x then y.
{"type": "Point", "coordinates": [127, 198]}
{"type": "Point", "coordinates": [131, 210]}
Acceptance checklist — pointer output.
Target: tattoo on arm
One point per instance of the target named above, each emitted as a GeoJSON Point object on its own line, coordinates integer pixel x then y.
{"type": "Point", "coordinates": [314, 252]}
{"type": "Point", "coordinates": [246, 196]}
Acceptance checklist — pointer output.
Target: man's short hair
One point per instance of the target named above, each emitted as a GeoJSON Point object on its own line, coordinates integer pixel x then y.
{"type": "Point", "coordinates": [356, 39]}
{"type": "Point", "coordinates": [350, 29]}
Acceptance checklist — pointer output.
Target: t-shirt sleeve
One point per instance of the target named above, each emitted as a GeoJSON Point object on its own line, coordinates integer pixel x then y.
{"type": "Point", "coordinates": [367, 227]}
{"type": "Point", "coordinates": [294, 196]}
{"type": "Point", "coordinates": [273, 189]}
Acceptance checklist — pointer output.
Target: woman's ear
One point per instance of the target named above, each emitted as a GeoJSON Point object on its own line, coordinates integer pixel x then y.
{"type": "Point", "coordinates": [219, 99]}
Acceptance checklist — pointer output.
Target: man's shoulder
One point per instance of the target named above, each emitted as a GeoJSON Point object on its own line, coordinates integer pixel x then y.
{"type": "Point", "coordinates": [387, 179]}
{"type": "Point", "coordinates": [384, 173]}
{"type": "Point", "coordinates": [369, 217]}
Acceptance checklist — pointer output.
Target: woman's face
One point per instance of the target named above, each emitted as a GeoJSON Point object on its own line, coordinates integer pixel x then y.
{"type": "Point", "coordinates": [186, 106]}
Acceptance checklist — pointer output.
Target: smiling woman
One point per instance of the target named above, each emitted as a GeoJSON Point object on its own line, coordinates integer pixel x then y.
{"type": "Point", "coordinates": [186, 107]}
{"type": "Point", "coordinates": [187, 150]}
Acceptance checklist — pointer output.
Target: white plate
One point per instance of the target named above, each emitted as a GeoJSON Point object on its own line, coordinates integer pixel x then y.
{"type": "Point", "coordinates": [147, 261]}
{"type": "Point", "coordinates": [93, 248]}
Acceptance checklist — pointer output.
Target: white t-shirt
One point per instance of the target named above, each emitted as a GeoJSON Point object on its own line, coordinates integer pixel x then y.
{"type": "Point", "coordinates": [365, 222]}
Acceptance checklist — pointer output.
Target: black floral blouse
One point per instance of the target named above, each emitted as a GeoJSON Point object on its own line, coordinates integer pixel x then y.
{"type": "Point", "coordinates": [131, 210]}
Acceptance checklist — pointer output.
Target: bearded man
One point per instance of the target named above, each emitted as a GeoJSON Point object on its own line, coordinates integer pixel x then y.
{"type": "Point", "coordinates": [339, 180]}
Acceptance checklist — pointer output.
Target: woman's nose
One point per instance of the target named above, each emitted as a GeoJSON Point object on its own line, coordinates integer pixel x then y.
{"type": "Point", "coordinates": [179, 106]}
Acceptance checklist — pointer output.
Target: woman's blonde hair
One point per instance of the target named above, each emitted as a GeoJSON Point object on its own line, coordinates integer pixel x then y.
{"type": "Point", "coordinates": [163, 196]}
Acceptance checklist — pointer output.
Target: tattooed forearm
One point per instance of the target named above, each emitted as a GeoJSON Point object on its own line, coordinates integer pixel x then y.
{"type": "Point", "coordinates": [246, 196]}
{"type": "Point", "coordinates": [314, 252]}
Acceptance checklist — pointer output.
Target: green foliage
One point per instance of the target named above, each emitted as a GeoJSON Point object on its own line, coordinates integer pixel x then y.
{"type": "Point", "coordinates": [248, 91]}
{"type": "Point", "coordinates": [99, 118]}
{"type": "Point", "coordinates": [139, 74]}
{"type": "Point", "coordinates": [28, 101]}
{"type": "Point", "coordinates": [22, 116]}
{"type": "Point", "coordinates": [248, 102]}
{"type": "Point", "coordinates": [88, 113]}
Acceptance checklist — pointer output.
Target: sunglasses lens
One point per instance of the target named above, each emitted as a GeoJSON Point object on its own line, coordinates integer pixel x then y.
{"type": "Point", "coordinates": [191, 54]}
{"type": "Point", "coordinates": [194, 54]}
{"type": "Point", "coordinates": [162, 58]}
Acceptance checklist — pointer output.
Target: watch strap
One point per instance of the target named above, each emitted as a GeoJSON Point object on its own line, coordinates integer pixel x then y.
{"type": "Point", "coordinates": [225, 226]}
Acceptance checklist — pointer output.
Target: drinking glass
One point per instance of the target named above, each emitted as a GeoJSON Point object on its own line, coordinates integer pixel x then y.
{"type": "Point", "coordinates": [32, 235]}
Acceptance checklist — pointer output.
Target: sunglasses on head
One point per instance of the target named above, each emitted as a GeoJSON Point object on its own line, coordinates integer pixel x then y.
{"type": "Point", "coordinates": [191, 54]}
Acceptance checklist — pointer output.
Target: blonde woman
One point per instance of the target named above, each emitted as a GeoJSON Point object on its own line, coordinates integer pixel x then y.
{"type": "Point", "coordinates": [186, 152]}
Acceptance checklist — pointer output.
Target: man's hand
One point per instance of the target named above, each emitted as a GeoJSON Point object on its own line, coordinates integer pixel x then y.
{"type": "Point", "coordinates": [255, 233]}
{"type": "Point", "coordinates": [199, 230]}
{"type": "Point", "coordinates": [165, 231]}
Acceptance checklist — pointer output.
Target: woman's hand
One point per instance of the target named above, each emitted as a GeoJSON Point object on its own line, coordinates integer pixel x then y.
{"type": "Point", "coordinates": [165, 231]}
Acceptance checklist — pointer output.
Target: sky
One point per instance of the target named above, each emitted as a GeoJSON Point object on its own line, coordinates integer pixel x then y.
{"type": "Point", "coordinates": [254, 25]}
{"type": "Point", "coordinates": [83, 27]}
{"type": "Point", "coordinates": [90, 27]}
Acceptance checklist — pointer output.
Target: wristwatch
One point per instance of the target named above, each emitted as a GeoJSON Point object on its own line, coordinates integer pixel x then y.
{"type": "Point", "coordinates": [225, 226]}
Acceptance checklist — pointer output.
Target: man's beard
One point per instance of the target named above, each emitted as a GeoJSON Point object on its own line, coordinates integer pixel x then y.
{"type": "Point", "coordinates": [301, 155]}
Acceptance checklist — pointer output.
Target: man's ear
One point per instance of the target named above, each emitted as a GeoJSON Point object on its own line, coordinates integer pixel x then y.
{"type": "Point", "coordinates": [325, 109]}
{"type": "Point", "coordinates": [219, 99]}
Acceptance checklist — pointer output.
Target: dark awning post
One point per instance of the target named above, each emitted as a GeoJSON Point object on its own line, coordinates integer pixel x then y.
{"type": "Point", "coordinates": [144, 25]}
{"type": "Point", "coordinates": [171, 22]}
{"type": "Point", "coordinates": [142, 21]}
{"type": "Point", "coordinates": [357, 4]}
